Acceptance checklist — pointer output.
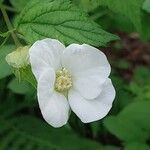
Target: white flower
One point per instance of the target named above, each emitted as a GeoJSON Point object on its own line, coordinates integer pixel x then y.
{"type": "Point", "coordinates": [74, 77]}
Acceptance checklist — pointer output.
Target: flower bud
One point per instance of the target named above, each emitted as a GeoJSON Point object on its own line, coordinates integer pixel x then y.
{"type": "Point", "coordinates": [19, 58]}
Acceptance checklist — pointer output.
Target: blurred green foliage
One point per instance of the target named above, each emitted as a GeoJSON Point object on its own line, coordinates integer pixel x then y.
{"type": "Point", "coordinates": [128, 124]}
{"type": "Point", "coordinates": [5, 69]}
{"type": "Point", "coordinates": [146, 5]}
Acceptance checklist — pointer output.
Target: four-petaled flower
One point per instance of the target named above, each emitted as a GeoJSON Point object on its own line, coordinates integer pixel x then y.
{"type": "Point", "coordinates": [73, 77]}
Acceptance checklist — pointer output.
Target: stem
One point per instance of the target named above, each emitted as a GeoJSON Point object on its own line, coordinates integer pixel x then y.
{"type": "Point", "coordinates": [10, 8]}
{"type": "Point", "coordinates": [9, 26]}
{"type": "Point", "coordinates": [5, 40]}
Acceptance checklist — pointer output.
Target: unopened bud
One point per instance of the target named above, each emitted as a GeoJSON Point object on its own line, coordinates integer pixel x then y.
{"type": "Point", "coordinates": [19, 58]}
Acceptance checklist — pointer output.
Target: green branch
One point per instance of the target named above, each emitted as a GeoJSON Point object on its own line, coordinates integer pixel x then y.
{"type": "Point", "coordinates": [9, 26]}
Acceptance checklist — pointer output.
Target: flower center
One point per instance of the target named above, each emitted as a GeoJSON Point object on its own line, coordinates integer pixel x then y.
{"type": "Point", "coordinates": [63, 80]}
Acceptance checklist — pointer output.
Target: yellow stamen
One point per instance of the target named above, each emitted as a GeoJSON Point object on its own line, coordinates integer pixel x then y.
{"type": "Point", "coordinates": [63, 80]}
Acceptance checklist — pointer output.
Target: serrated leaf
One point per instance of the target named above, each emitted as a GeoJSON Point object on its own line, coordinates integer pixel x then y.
{"type": "Point", "coordinates": [60, 20]}
{"type": "Point", "coordinates": [129, 8]}
{"type": "Point", "coordinates": [5, 69]}
{"type": "Point", "coordinates": [19, 5]}
{"type": "Point", "coordinates": [132, 124]}
{"type": "Point", "coordinates": [146, 5]}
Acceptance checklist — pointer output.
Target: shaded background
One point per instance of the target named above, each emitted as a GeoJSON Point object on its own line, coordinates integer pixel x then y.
{"type": "Point", "coordinates": [126, 127]}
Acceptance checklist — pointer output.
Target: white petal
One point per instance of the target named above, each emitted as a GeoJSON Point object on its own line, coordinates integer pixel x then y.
{"type": "Point", "coordinates": [53, 105]}
{"type": "Point", "coordinates": [89, 84]}
{"type": "Point", "coordinates": [92, 110]}
{"type": "Point", "coordinates": [46, 84]}
{"type": "Point", "coordinates": [89, 68]}
{"type": "Point", "coordinates": [45, 54]}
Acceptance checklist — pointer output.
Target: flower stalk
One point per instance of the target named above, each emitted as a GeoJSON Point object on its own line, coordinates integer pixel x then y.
{"type": "Point", "coordinates": [10, 27]}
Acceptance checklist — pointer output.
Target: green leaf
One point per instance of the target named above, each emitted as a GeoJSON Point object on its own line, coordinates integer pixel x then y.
{"type": "Point", "coordinates": [87, 5]}
{"type": "Point", "coordinates": [141, 94]}
{"type": "Point", "coordinates": [1, 1]}
{"type": "Point", "coordinates": [129, 8]}
{"type": "Point", "coordinates": [122, 64]}
{"type": "Point", "coordinates": [136, 146]}
{"type": "Point", "coordinates": [146, 5]}
{"type": "Point", "coordinates": [108, 147]}
{"type": "Point", "coordinates": [123, 96]}
{"type": "Point", "coordinates": [12, 106]}
{"type": "Point", "coordinates": [141, 75]}
{"type": "Point", "coordinates": [132, 124]}
{"type": "Point", "coordinates": [140, 79]}
{"type": "Point", "coordinates": [60, 20]}
{"type": "Point", "coordinates": [124, 129]}
{"type": "Point", "coordinates": [21, 87]}
{"type": "Point", "coordinates": [19, 5]}
{"type": "Point", "coordinates": [5, 69]}
{"type": "Point", "coordinates": [28, 132]}
{"type": "Point", "coordinates": [27, 129]}
{"type": "Point", "coordinates": [146, 27]}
